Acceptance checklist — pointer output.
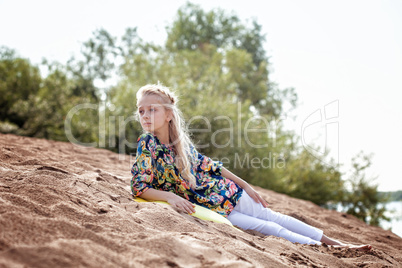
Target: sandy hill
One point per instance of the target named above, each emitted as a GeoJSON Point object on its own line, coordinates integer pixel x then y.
{"type": "Point", "coordinates": [63, 205]}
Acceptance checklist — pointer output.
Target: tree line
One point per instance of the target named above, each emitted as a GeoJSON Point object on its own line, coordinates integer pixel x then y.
{"type": "Point", "coordinates": [218, 66]}
{"type": "Point", "coordinates": [391, 196]}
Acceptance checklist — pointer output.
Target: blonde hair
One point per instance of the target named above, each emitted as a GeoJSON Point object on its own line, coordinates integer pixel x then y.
{"type": "Point", "coordinates": [178, 133]}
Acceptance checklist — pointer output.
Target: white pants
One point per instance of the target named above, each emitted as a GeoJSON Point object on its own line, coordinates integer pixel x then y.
{"type": "Point", "coordinates": [248, 214]}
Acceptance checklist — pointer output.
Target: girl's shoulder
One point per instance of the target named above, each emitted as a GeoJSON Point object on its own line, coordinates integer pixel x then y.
{"type": "Point", "coordinates": [145, 136]}
{"type": "Point", "coordinates": [148, 140]}
{"type": "Point", "coordinates": [194, 153]}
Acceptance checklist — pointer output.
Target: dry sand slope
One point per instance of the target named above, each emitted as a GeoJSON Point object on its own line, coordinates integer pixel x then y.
{"type": "Point", "coordinates": [62, 205]}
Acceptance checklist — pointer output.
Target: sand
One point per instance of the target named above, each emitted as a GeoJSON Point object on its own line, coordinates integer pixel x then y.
{"type": "Point", "coordinates": [63, 205]}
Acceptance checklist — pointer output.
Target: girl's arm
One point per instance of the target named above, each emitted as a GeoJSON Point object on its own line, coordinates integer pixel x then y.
{"type": "Point", "coordinates": [244, 185]}
{"type": "Point", "coordinates": [173, 199]}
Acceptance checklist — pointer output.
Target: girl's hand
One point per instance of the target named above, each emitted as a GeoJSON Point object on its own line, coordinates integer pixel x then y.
{"type": "Point", "coordinates": [250, 191]}
{"type": "Point", "coordinates": [255, 196]}
{"type": "Point", "coordinates": [181, 203]}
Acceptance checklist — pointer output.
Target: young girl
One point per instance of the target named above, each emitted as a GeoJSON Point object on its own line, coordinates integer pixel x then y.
{"type": "Point", "coordinates": [169, 168]}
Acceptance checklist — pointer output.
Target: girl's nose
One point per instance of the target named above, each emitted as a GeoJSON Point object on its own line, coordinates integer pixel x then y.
{"type": "Point", "coordinates": [146, 115]}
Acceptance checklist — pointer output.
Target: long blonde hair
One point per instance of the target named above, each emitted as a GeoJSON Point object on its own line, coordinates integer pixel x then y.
{"type": "Point", "coordinates": [178, 133]}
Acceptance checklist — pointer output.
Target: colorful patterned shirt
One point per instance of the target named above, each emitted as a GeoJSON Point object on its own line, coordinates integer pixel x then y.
{"type": "Point", "coordinates": [154, 168]}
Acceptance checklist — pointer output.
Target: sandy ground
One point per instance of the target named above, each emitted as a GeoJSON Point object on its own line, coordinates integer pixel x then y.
{"type": "Point", "coordinates": [63, 205]}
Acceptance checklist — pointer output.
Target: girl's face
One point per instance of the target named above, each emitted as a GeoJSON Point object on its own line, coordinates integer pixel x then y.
{"type": "Point", "coordinates": [154, 117]}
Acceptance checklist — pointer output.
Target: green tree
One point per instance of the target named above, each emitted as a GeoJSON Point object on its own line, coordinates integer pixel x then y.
{"type": "Point", "coordinates": [36, 106]}
{"type": "Point", "coordinates": [242, 45]}
{"type": "Point", "coordinates": [19, 82]}
{"type": "Point", "coordinates": [363, 199]}
{"type": "Point", "coordinates": [194, 28]}
{"type": "Point", "coordinates": [55, 99]}
{"type": "Point", "coordinates": [309, 177]}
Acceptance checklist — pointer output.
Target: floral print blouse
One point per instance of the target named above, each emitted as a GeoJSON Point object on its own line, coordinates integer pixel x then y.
{"type": "Point", "coordinates": [154, 168]}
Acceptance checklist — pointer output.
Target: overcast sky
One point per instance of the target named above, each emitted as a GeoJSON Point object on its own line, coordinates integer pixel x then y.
{"type": "Point", "coordinates": [343, 58]}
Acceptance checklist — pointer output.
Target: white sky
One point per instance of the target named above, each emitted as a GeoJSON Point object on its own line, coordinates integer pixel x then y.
{"type": "Point", "coordinates": [345, 55]}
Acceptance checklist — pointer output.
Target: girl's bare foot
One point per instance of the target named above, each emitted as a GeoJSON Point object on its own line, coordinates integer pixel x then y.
{"type": "Point", "coordinates": [337, 244]}
{"type": "Point", "coordinates": [356, 247]}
